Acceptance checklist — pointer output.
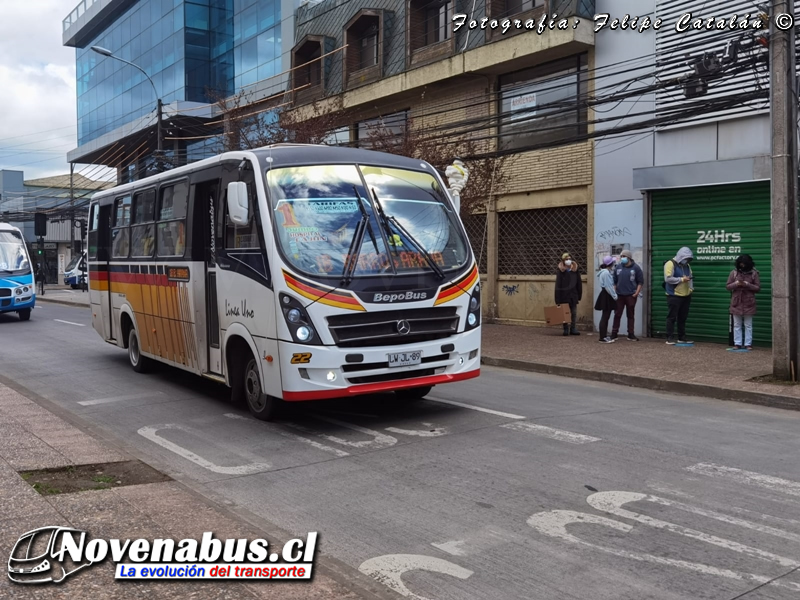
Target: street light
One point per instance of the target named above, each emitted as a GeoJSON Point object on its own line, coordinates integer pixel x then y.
{"type": "Point", "coordinates": [159, 107]}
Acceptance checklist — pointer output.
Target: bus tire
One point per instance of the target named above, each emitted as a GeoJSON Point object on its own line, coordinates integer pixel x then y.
{"type": "Point", "coordinates": [412, 394]}
{"type": "Point", "coordinates": [246, 388]}
{"type": "Point", "coordinates": [24, 314]}
{"type": "Point", "coordinates": [74, 286]}
{"type": "Point", "coordinates": [140, 364]}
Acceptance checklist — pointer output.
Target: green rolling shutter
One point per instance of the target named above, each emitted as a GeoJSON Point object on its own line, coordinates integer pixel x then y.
{"type": "Point", "coordinates": [717, 223]}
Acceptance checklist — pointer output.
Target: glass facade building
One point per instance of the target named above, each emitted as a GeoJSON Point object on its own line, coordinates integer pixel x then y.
{"type": "Point", "coordinates": [193, 50]}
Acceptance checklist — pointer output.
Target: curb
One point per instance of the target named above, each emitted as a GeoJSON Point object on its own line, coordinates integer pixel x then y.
{"type": "Point", "coordinates": [64, 302]}
{"type": "Point", "coordinates": [675, 387]}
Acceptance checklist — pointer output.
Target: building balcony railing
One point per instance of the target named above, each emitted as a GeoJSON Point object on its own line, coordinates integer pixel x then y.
{"type": "Point", "coordinates": [573, 8]}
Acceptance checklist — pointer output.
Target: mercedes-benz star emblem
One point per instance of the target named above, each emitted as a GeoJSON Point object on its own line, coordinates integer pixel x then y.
{"type": "Point", "coordinates": [403, 327]}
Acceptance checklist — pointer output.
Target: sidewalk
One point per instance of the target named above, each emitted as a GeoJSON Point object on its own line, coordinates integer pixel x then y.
{"type": "Point", "coordinates": [63, 294]}
{"type": "Point", "coordinates": [702, 370]}
{"type": "Point", "coordinates": [32, 437]}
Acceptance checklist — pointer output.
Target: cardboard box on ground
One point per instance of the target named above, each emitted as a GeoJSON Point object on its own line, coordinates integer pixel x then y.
{"type": "Point", "coordinates": [557, 315]}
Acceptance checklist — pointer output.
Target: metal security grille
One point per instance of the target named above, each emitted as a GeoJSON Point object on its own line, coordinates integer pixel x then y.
{"type": "Point", "coordinates": [476, 231]}
{"type": "Point", "coordinates": [531, 242]}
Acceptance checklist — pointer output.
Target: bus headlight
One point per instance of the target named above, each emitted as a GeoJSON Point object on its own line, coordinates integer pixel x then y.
{"type": "Point", "coordinates": [474, 309]}
{"type": "Point", "coordinates": [298, 321]}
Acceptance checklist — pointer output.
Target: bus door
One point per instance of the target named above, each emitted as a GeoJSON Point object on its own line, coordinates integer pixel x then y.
{"type": "Point", "coordinates": [100, 246]}
{"type": "Point", "coordinates": [207, 203]}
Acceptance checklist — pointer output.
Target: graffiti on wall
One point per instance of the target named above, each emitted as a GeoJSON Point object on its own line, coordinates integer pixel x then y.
{"type": "Point", "coordinates": [510, 290]}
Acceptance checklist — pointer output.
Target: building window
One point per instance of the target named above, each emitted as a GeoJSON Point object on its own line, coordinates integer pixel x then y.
{"type": "Point", "coordinates": [544, 105]}
{"type": "Point", "coordinates": [515, 7]}
{"type": "Point", "coordinates": [308, 64]}
{"type": "Point", "coordinates": [557, 230]}
{"type": "Point", "coordinates": [382, 131]}
{"type": "Point", "coordinates": [438, 23]}
{"type": "Point", "coordinates": [172, 219]}
{"type": "Point", "coordinates": [369, 49]}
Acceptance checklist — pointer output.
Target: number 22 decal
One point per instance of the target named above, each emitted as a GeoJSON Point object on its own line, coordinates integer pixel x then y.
{"type": "Point", "coordinates": [301, 358]}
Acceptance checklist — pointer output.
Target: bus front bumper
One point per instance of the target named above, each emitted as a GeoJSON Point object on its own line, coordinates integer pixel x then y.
{"type": "Point", "coordinates": [17, 303]}
{"type": "Point", "coordinates": [322, 372]}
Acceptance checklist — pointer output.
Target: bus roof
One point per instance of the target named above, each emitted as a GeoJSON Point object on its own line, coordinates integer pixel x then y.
{"type": "Point", "coordinates": [9, 227]}
{"type": "Point", "coordinates": [282, 155]}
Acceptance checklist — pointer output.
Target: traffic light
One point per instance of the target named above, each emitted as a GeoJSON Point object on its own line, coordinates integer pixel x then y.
{"type": "Point", "coordinates": [39, 251]}
{"type": "Point", "coordinates": [40, 224]}
{"type": "Point", "coordinates": [83, 229]}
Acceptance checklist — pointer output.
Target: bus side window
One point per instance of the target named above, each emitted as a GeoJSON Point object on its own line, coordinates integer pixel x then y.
{"type": "Point", "coordinates": [94, 219]}
{"type": "Point", "coordinates": [143, 229]}
{"type": "Point", "coordinates": [172, 219]}
{"type": "Point", "coordinates": [120, 234]}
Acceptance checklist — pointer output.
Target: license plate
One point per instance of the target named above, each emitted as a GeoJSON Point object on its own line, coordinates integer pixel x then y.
{"type": "Point", "coordinates": [404, 359]}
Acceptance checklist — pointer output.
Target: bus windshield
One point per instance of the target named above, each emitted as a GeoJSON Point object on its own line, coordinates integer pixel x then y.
{"type": "Point", "coordinates": [72, 264]}
{"type": "Point", "coordinates": [13, 258]}
{"type": "Point", "coordinates": [316, 212]}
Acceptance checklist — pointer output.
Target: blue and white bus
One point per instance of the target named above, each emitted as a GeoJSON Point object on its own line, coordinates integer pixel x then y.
{"type": "Point", "coordinates": [75, 272]}
{"type": "Point", "coordinates": [17, 287]}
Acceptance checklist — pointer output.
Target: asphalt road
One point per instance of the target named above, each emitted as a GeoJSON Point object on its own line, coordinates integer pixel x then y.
{"type": "Point", "coordinates": [513, 485]}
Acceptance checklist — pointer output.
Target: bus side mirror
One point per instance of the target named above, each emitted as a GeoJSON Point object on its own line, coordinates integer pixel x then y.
{"type": "Point", "coordinates": [238, 204]}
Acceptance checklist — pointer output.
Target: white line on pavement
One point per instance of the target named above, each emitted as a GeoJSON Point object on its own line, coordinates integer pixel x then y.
{"type": "Point", "coordinates": [70, 323]}
{"type": "Point", "coordinates": [549, 432]}
{"type": "Point", "coordinates": [769, 482]}
{"type": "Point", "coordinates": [478, 408]}
{"type": "Point", "coordinates": [299, 438]}
{"type": "Point", "coordinates": [118, 398]}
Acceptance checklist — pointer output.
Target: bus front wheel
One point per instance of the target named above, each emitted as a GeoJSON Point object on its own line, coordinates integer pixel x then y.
{"type": "Point", "coordinates": [247, 387]}
{"type": "Point", "coordinates": [411, 394]}
{"type": "Point", "coordinates": [139, 363]}
{"type": "Point", "coordinates": [25, 314]}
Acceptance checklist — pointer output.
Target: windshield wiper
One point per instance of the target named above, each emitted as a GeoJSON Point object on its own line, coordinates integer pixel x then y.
{"type": "Point", "coordinates": [388, 221]}
{"type": "Point", "coordinates": [366, 217]}
{"type": "Point", "coordinates": [355, 244]}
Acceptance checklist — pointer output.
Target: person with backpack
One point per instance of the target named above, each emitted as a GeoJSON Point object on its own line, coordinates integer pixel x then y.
{"type": "Point", "coordinates": [628, 279]}
{"type": "Point", "coordinates": [679, 286]}
{"type": "Point", "coordinates": [607, 300]}
{"type": "Point", "coordinates": [743, 283]}
{"type": "Point", "coordinates": [569, 289]}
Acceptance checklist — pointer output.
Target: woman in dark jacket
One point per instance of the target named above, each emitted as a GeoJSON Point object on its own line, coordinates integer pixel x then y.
{"type": "Point", "coordinates": [569, 289]}
{"type": "Point", "coordinates": [743, 283]}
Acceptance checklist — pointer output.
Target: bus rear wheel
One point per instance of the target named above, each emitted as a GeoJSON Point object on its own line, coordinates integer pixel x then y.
{"type": "Point", "coordinates": [411, 394]}
{"type": "Point", "coordinates": [140, 364]}
{"type": "Point", "coordinates": [246, 389]}
{"type": "Point", "coordinates": [25, 314]}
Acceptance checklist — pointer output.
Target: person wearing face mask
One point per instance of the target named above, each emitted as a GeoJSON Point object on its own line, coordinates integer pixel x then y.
{"type": "Point", "coordinates": [607, 300]}
{"type": "Point", "coordinates": [743, 283]}
{"type": "Point", "coordinates": [569, 289]}
{"type": "Point", "coordinates": [628, 279]}
{"type": "Point", "coordinates": [679, 285]}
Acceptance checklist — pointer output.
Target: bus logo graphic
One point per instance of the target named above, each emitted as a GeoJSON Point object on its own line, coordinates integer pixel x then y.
{"type": "Point", "coordinates": [403, 327]}
{"type": "Point", "coordinates": [39, 556]}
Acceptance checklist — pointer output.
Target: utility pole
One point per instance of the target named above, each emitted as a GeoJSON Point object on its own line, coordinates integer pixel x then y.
{"type": "Point", "coordinates": [783, 109]}
{"type": "Point", "coordinates": [71, 209]}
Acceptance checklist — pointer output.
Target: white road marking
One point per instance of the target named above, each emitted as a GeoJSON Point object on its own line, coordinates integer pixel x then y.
{"type": "Point", "coordinates": [150, 434]}
{"type": "Point", "coordinates": [776, 484]}
{"type": "Point", "coordinates": [295, 437]}
{"type": "Point", "coordinates": [711, 514]}
{"type": "Point", "coordinates": [388, 570]}
{"type": "Point", "coordinates": [69, 323]}
{"type": "Point", "coordinates": [380, 440]}
{"type": "Point", "coordinates": [612, 503]}
{"type": "Point", "coordinates": [429, 431]}
{"type": "Point", "coordinates": [549, 432]}
{"type": "Point", "coordinates": [118, 398]}
{"type": "Point", "coordinates": [554, 524]}
{"type": "Point", "coordinates": [451, 547]}
{"type": "Point", "coordinates": [478, 408]}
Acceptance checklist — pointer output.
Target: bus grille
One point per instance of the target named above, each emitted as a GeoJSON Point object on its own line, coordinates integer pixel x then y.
{"type": "Point", "coordinates": [381, 328]}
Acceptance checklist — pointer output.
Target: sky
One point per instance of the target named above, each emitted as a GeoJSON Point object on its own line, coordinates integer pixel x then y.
{"type": "Point", "coordinates": [37, 77]}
